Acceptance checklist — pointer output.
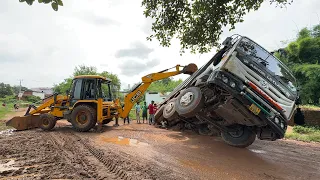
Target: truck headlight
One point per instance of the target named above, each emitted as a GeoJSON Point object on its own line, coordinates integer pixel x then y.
{"type": "Point", "coordinates": [232, 84]}
{"type": "Point", "coordinates": [282, 125]}
{"type": "Point", "coordinates": [276, 120]}
{"type": "Point", "coordinates": [225, 79]}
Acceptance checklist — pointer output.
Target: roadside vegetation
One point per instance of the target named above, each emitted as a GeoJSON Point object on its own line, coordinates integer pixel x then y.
{"type": "Point", "coordinates": [304, 133]}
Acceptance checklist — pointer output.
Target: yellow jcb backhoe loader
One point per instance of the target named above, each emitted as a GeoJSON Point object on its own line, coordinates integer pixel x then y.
{"type": "Point", "coordinates": [86, 104]}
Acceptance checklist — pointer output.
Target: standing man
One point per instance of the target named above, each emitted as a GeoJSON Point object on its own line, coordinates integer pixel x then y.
{"type": "Point", "coordinates": [144, 112]}
{"type": "Point", "coordinates": [151, 112]}
{"type": "Point", "coordinates": [138, 108]}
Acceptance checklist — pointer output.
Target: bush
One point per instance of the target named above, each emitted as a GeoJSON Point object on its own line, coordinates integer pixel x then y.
{"type": "Point", "coordinates": [33, 99]}
{"type": "Point", "coordinates": [305, 133]}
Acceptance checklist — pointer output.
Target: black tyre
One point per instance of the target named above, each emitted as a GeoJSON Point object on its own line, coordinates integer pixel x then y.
{"type": "Point", "coordinates": [169, 111]}
{"type": "Point", "coordinates": [47, 121]}
{"type": "Point", "coordinates": [243, 138]}
{"type": "Point", "coordinates": [158, 114]}
{"type": "Point", "coordinates": [83, 118]}
{"type": "Point", "coordinates": [189, 102]}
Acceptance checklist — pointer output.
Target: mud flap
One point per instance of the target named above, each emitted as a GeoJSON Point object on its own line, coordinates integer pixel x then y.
{"type": "Point", "coordinates": [24, 122]}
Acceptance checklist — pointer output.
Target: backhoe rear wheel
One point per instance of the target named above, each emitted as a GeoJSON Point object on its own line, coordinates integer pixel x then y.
{"type": "Point", "coordinates": [83, 118]}
{"type": "Point", "coordinates": [47, 121]}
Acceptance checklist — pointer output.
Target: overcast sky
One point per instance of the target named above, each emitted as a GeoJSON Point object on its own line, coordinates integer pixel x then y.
{"type": "Point", "coordinates": [42, 46]}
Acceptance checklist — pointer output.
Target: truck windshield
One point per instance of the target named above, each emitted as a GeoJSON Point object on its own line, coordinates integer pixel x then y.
{"type": "Point", "coordinates": [269, 61]}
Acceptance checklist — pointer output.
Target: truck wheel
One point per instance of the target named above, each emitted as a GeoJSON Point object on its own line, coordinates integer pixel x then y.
{"type": "Point", "coordinates": [47, 121]}
{"type": "Point", "coordinates": [169, 111]}
{"type": "Point", "coordinates": [83, 118]}
{"type": "Point", "coordinates": [244, 137]}
{"type": "Point", "coordinates": [159, 113]}
{"type": "Point", "coordinates": [189, 102]}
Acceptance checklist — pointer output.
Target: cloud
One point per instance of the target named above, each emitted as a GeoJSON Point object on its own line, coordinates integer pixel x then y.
{"type": "Point", "coordinates": [135, 67]}
{"type": "Point", "coordinates": [92, 18]}
{"type": "Point", "coordinates": [137, 50]}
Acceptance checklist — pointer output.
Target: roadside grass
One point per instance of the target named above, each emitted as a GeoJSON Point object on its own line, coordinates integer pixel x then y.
{"type": "Point", "coordinates": [304, 133]}
{"type": "Point", "coordinates": [311, 107]}
{"type": "Point", "coordinates": [3, 112]}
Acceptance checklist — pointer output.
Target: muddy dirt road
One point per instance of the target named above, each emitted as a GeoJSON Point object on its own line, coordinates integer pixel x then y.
{"type": "Point", "coordinates": [140, 151]}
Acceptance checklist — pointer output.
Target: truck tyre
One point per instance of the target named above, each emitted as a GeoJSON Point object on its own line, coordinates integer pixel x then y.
{"type": "Point", "coordinates": [158, 114]}
{"type": "Point", "coordinates": [243, 138]}
{"type": "Point", "coordinates": [189, 102]}
{"type": "Point", "coordinates": [47, 121]}
{"type": "Point", "coordinates": [169, 111]}
{"type": "Point", "coordinates": [83, 118]}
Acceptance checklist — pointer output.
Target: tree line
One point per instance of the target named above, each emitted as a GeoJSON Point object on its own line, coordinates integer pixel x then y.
{"type": "Point", "coordinates": [302, 56]}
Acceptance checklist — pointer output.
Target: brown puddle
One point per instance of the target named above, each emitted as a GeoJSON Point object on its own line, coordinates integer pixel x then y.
{"type": "Point", "coordinates": [123, 141]}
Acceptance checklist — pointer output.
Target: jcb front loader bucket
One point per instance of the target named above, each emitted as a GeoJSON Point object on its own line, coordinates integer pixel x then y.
{"type": "Point", "coordinates": [24, 122]}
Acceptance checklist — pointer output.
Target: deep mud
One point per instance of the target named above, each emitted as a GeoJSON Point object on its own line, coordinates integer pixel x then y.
{"type": "Point", "coordinates": [140, 151]}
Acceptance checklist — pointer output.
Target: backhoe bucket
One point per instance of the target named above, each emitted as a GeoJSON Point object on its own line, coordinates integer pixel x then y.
{"type": "Point", "coordinates": [24, 122]}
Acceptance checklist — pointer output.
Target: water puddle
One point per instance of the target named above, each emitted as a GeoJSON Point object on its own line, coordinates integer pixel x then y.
{"type": "Point", "coordinates": [123, 141]}
{"type": "Point", "coordinates": [258, 151]}
{"type": "Point", "coordinates": [8, 166]}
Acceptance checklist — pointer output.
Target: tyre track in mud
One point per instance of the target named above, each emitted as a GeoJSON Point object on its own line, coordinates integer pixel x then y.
{"type": "Point", "coordinates": [113, 165]}
{"type": "Point", "coordinates": [112, 170]}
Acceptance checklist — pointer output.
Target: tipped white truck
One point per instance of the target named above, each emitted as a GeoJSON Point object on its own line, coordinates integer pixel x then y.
{"type": "Point", "coordinates": [242, 93]}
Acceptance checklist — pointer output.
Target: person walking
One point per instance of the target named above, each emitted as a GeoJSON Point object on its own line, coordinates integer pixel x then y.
{"type": "Point", "coordinates": [144, 112]}
{"type": "Point", "coordinates": [138, 108]}
{"type": "Point", "coordinates": [126, 118]}
{"type": "Point", "coordinates": [151, 113]}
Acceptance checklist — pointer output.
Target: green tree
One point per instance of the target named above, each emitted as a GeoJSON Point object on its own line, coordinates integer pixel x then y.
{"type": "Point", "coordinates": [302, 56]}
{"type": "Point", "coordinates": [54, 3]}
{"type": "Point", "coordinates": [16, 89]}
{"type": "Point", "coordinates": [5, 90]}
{"type": "Point", "coordinates": [86, 70]}
{"type": "Point", "coordinates": [165, 85]}
{"type": "Point", "coordinates": [196, 23]}
{"type": "Point", "coordinates": [33, 99]}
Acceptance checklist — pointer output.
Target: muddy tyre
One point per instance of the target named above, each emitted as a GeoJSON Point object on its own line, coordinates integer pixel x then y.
{"type": "Point", "coordinates": [243, 138]}
{"type": "Point", "coordinates": [158, 114]}
{"type": "Point", "coordinates": [83, 118]}
{"type": "Point", "coordinates": [169, 111]}
{"type": "Point", "coordinates": [47, 122]}
{"type": "Point", "coordinates": [189, 102]}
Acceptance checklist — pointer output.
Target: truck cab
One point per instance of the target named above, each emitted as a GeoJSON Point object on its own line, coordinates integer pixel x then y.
{"type": "Point", "coordinates": [244, 92]}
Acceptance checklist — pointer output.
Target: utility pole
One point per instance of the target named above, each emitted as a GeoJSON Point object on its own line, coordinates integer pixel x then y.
{"type": "Point", "coordinates": [19, 89]}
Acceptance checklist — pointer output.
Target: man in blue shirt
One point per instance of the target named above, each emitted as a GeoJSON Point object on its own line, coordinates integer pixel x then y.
{"type": "Point", "coordinates": [138, 109]}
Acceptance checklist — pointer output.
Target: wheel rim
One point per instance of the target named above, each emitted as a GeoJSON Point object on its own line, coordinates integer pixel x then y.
{"type": "Point", "coordinates": [186, 99]}
{"type": "Point", "coordinates": [237, 133]}
{"type": "Point", "coordinates": [45, 122]}
{"type": "Point", "coordinates": [169, 107]}
{"type": "Point", "coordinates": [81, 117]}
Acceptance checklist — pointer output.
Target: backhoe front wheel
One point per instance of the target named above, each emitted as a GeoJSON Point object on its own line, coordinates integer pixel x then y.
{"type": "Point", "coordinates": [47, 121]}
{"type": "Point", "coordinates": [83, 118]}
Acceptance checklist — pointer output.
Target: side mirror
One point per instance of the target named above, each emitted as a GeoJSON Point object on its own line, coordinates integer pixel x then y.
{"type": "Point", "coordinates": [227, 41]}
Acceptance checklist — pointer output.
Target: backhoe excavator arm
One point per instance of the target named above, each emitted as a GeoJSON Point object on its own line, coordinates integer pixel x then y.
{"type": "Point", "coordinates": [132, 97]}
